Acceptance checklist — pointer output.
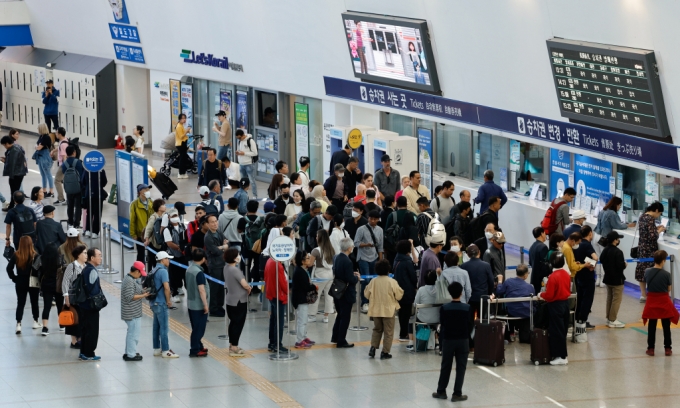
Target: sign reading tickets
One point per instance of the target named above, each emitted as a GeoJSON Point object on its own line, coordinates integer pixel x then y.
{"type": "Point", "coordinates": [282, 249]}
{"type": "Point", "coordinates": [355, 138]}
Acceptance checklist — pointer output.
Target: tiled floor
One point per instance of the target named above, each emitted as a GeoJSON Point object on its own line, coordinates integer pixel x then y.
{"type": "Point", "coordinates": [611, 370]}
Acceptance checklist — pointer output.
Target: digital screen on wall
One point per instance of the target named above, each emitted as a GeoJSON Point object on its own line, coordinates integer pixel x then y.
{"type": "Point", "coordinates": [617, 88]}
{"type": "Point", "coordinates": [391, 50]}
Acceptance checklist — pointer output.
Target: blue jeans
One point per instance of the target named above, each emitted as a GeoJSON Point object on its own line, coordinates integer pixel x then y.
{"type": "Point", "coordinates": [365, 268]}
{"type": "Point", "coordinates": [198, 319]}
{"type": "Point", "coordinates": [248, 170]}
{"type": "Point", "coordinates": [278, 309]}
{"type": "Point", "coordinates": [45, 166]}
{"type": "Point", "coordinates": [224, 151]}
{"type": "Point", "coordinates": [160, 326]}
{"type": "Point", "coordinates": [132, 338]}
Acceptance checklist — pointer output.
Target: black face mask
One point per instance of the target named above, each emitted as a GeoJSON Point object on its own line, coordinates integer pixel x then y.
{"type": "Point", "coordinates": [285, 196]}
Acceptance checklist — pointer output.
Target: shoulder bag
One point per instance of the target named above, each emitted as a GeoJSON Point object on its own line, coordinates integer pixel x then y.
{"type": "Point", "coordinates": [635, 250]}
{"type": "Point", "coordinates": [338, 288]}
{"type": "Point", "coordinates": [312, 293]}
{"type": "Point", "coordinates": [34, 281]}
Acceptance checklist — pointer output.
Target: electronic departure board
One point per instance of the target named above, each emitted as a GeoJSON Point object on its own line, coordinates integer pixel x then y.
{"type": "Point", "coordinates": [610, 86]}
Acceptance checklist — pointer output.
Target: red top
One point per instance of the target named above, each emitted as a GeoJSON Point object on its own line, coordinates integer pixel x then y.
{"type": "Point", "coordinates": [270, 281]}
{"type": "Point", "coordinates": [558, 286]}
{"type": "Point", "coordinates": [191, 230]}
{"type": "Point", "coordinates": [399, 193]}
{"type": "Point", "coordinates": [659, 306]}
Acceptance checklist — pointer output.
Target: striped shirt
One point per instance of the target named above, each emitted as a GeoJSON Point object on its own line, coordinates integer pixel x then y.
{"type": "Point", "coordinates": [70, 274]}
{"type": "Point", "coordinates": [130, 309]}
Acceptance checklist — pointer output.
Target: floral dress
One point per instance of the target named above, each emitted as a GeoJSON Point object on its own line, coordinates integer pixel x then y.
{"type": "Point", "coordinates": [647, 245]}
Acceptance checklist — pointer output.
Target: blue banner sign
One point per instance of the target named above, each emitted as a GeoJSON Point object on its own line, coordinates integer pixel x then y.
{"type": "Point", "coordinates": [560, 172]}
{"type": "Point", "coordinates": [129, 53]}
{"type": "Point", "coordinates": [555, 132]}
{"type": "Point", "coordinates": [120, 32]}
{"type": "Point", "coordinates": [94, 161]}
{"type": "Point", "coordinates": [592, 177]}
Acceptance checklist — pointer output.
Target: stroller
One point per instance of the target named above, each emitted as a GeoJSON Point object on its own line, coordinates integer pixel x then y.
{"type": "Point", "coordinates": [172, 162]}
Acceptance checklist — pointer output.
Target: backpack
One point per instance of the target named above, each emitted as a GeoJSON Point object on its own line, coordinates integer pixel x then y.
{"type": "Point", "coordinates": [254, 158]}
{"type": "Point", "coordinates": [71, 179]}
{"type": "Point", "coordinates": [436, 232]}
{"type": "Point", "coordinates": [254, 231]}
{"type": "Point", "coordinates": [211, 208]}
{"type": "Point", "coordinates": [549, 223]}
{"type": "Point", "coordinates": [392, 233]}
{"type": "Point", "coordinates": [157, 237]}
{"type": "Point", "coordinates": [24, 223]}
{"type": "Point", "coordinates": [347, 211]}
{"type": "Point", "coordinates": [149, 285]}
{"type": "Point", "coordinates": [76, 293]}
{"type": "Point", "coordinates": [476, 227]}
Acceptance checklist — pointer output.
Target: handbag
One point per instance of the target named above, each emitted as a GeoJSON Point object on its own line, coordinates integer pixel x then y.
{"type": "Point", "coordinates": [422, 337]}
{"type": "Point", "coordinates": [68, 317]}
{"type": "Point", "coordinates": [113, 197]}
{"type": "Point", "coordinates": [9, 252]}
{"type": "Point", "coordinates": [602, 241]}
{"type": "Point", "coordinates": [257, 246]}
{"type": "Point", "coordinates": [635, 250]}
{"type": "Point", "coordinates": [34, 281]}
{"type": "Point", "coordinates": [98, 302]}
{"type": "Point", "coordinates": [442, 294]}
{"type": "Point", "coordinates": [312, 295]}
{"type": "Point", "coordinates": [338, 289]}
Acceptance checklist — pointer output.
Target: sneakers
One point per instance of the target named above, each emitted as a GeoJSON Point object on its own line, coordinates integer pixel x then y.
{"type": "Point", "coordinates": [18, 329]}
{"type": "Point", "coordinates": [94, 236]}
{"type": "Point", "coordinates": [49, 195]}
{"type": "Point", "coordinates": [308, 340]}
{"type": "Point", "coordinates": [650, 352]}
{"type": "Point", "coordinates": [175, 299]}
{"type": "Point", "coordinates": [237, 353]}
{"type": "Point", "coordinates": [135, 358]}
{"type": "Point", "coordinates": [302, 344]}
{"type": "Point", "coordinates": [364, 308]}
{"type": "Point", "coordinates": [37, 324]}
{"type": "Point", "coordinates": [385, 356]}
{"type": "Point", "coordinates": [668, 351]}
{"type": "Point", "coordinates": [83, 357]}
{"type": "Point", "coordinates": [643, 299]}
{"type": "Point", "coordinates": [311, 319]}
{"type": "Point", "coordinates": [409, 347]}
{"type": "Point", "coordinates": [589, 326]}
{"type": "Point", "coordinates": [156, 352]}
{"type": "Point", "coordinates": [201, 353]}
{"type": "Point", "coordinates": [183, 176]}
{"type": "Point", "coordinates": [616, 324]}
{"type": "Point", "coordinates": [602, 285]}
{"type": "Point", "coordinates": [87, 233]}
{"type": "Point", "coordinates": [169, 354]}
{"type": "Point", "coordinates": [180, 292]}
{"type": "Point", "coordinates": [62, 328]}
{"type": "Point", "coordinates": [45, 331]}
{"type": "Point", "coordinates": [59, 202]}
{"type": "Point", "coordinates": [325, 319]}
{"type": "Point", "coordinates": [559, 361]}
{"type": "Point", "coordinates": [403, 339]}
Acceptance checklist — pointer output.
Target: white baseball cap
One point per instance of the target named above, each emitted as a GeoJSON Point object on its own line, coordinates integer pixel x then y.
{"type": "Point", "coordinates": [578, 214]}
{"type": "Point", "coordinates": [203, 190]}
{"type": "Point", "coordinates": [163, 255]}
{"type": "Point", "coordinates": [72, 233]}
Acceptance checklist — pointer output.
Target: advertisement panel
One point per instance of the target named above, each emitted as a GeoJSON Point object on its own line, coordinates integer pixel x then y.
{"type": "Point", "coordinates": [425, 157]}
{"type": "Point", "coordinates": [301, 130]}
{"type": "Point", "coordinates": [561, 175]}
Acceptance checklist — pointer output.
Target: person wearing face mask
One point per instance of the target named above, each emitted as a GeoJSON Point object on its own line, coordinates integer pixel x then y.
{"type": "Point", "coordinates": [457, 248]}
{"type": "Point", "coordinates": [358, 220]}
{"type": "Point", "coordinates": [141, 210]}
{"type": "Point", "coordinates": [175, 240]}
{"type": "Point", "coordinates": [614, 264]}
{"type": "Point", "coordinates": [282, 200]}
{"type": "Point", "coordinates": [198, 298]}
{"type": "Point", "coordinates": [335, 186]}
{"type": "Point", "coordinates": [495, 256]}
{"type": "Point", "coordinates": [338, 232]}
{"type": "Point", "coordinates": [484, 243]}
{"type": "Point", "coordinates": [237, 300]}
{"type": "Point", "coordinates": [568, 248]}
{"type": "Point", "coordinates": [320, 222]}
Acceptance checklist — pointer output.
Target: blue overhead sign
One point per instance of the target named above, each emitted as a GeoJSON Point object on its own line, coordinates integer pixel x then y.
{"type": "Point", "coordinates": [120, 32]}
{"type": "Point", "coordinates": [555, 132]}
{"type": "Point", "coordinates": [129, 53]}
{"type": "Point", "coordinates": [94, 161]}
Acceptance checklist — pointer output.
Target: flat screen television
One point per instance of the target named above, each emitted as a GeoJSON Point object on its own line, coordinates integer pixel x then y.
{"type": "Point", "coordinates": [267, 114]}
{"type": "Point", "coordinates": [392, 51]}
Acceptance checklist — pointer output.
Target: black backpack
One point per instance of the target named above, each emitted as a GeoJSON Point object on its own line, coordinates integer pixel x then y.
{"type": "Point", "coordinates": [157, 238]}
{"type": "Point", "coordinates": [210, 208]}
{"type": "Point", "coordinates": [149, 285]}
{"type": "Point", "coordinates": [76, 293]}
{"type": "Point", "coordinates": [392, 233]}
{"type": "Point", "coordinates": [253, 232]}
{"type": "Point", "coordinates": [24, 223]}
{"type": "Point", "coordinates": [71, 178]}
{"type": "Point", "coordinates": [255, 158]}
{"type": "Point", "coordinates": [476, 227]}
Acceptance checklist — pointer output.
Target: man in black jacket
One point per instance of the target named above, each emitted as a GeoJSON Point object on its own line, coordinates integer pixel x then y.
{"type": "Point", "coordinates": [335, 189]}
{"type": "Point", "coordinates": [344, 271]}
{"type": "Point", "coordinates": [537, 254]}
{"type": "Point", "coordinates": [48, 230]}
{"type": "Point", "coordinates": [282, 200]}
{"type": "Point", "coordinates": [340, 157]}
{"type": "Point", "coordinates": [481, 281]}
{"type": "Point", "coordinates": [212, 169]}
{"type": "Point", "coordinates": [326, 220]}
{"type": "Point", "coordinates": [352, 177]}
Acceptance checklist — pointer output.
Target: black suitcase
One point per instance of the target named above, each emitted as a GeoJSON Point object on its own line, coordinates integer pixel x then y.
{"type": "Point", "coordinates": [489, 339]}
{"type": "Point", "coordinates": [540, 346]}
{"type": "Point", "coordinates": [164, 185]}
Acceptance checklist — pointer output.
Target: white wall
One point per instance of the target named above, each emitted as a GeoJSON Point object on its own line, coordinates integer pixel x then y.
{"type": "Point", "coordinates": [133, 100]}
{"type": "Point", "coordinates": [14, 13]}
{"type": "Point", "coordinates": [160, 106]}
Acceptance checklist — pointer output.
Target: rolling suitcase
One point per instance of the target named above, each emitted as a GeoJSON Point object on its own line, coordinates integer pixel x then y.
{"type": "Point", "coordinates": [489, 339]}
{"type": "Point", "coordinates": [164, 185]}
{"type": "Point", "coordinates": [540, 346]}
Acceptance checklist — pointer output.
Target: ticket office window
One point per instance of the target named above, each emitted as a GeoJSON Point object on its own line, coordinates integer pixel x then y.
{"type": "Point", "coordinates": [633, 190]}
{"type": "Point", "coordinates": [403, 125]}
{"type": "Point", "coordinates": [669, 194]}
{"type": "Point", "coordinates": [534, 166]}
{"type": "Point", "coordinates": [490, 153]}
{"type": "Point", "coordinates": [453, 150]}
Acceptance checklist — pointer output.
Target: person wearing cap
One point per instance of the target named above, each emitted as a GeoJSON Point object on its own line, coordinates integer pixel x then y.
{"type": "Point", "coordinates": [198, 298]}
{"type": "Point", "coordinates": [140, 212]}
{"type": "Point", "coordinates": [304, 172]}
{"type": "Point", "coordinates": [242, 196]}
{"type": "Point", "coordinates": [131, 295]}
{"type": "Point", "coordinates": [73, 201]}
{"type": "Point", "coordinates": [495, 256]}
{"type": "Point", "coordinates": [335, 186]}
{"type": "Point", "coordinates": [206, 199]}
{"type": "Point", "coordinates": [174, 237]}
{"type": "Point", "coordinates": [159, 306]}
{"type": "Point", "coordinates": [340, 157]}
{"type": "Point", "coordinates": [215, 246]}
{"type": "Point", "coordinates": [48, 230]}
{"type": "Point", "coordinates": [429, 260]}
{"type": "Point", "coordinates": [233, 170]}
{"type": "Point", "coordinates": [224, 134]}
{"type": "Point", "coordinates": [387, 178]}
{"type": "Point", "coordinates": [246, 157]}
{"type": "Point", "coordinates": [213, 169]}
{"type": "Point", "coordinates": [51, 110]}
{"type": "Point", "coordinates": [614, 265]}
{"type": "Point", "coordinates": [578, 221]}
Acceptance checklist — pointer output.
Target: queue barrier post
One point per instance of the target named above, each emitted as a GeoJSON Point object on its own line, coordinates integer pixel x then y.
{"type": "Point", "coordinates": [521, 254]}
{"type": "Point", "coordinates": [108, 249]}
{"type": "Point", "coordinates": [672, 286]}
{"type": "Point", "coordinates": [122, 257]}
{"type": "Point", "coordinates": [358, 327]}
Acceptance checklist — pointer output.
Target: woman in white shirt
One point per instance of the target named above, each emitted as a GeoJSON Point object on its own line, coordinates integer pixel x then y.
{"type": "Point", "coordinates": [280, 221]}
{"type": "Point", "coordinates": [37, 195]}
{"type": "Point", "coordinates": [322, 257]}
{"type": "Point", "coordinates": [139, 144]}
{"type": "Point", "coordinates": [294, 209]}
{"type": "Point", "coordinates": [338, 232]}
{"type": "Point", "coordinates": [295, 182]}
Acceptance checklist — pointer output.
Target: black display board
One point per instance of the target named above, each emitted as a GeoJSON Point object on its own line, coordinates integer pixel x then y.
{"type": "Point", "coordinates": [609, 86]}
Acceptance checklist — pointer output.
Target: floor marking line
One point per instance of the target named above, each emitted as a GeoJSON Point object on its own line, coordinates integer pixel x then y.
{"type": "Point", "coordinates": [554, 402]}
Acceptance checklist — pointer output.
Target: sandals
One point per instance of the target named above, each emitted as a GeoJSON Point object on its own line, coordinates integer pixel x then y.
{"type": "Point", "coordinates": [236, 353]}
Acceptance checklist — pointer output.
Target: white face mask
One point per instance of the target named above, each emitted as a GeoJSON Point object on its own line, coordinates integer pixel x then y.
{"type": "Point", "coordinates": [455, 249]}
{"type": "Point", "coordinates": [174, 220]}
{"type": "Point", "coordinates": [575, 246]}
{"type": "Point", "coordinates": [355, 214]}
{"type": "Point", "coordinates": [488, 235]}
{"type": "Point", "coordinates": [147, 194]}
{"type": "Point", "coordinates": [342, 226]}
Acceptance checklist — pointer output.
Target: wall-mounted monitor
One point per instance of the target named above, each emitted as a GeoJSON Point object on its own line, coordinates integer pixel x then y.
{"type": "Point", "coordinates": [392, 51]}
{"type": "Point", "coordinates": [267, 113]}
{"type": "Point", "coordinates": [608, 86]}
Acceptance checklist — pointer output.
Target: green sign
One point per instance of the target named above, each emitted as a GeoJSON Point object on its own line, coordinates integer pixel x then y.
{"type": "Point", "coordinates": [301, 130]}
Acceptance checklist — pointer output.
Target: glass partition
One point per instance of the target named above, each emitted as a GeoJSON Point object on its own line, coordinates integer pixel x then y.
{"type": "Point", "coordinates": [633, 182]}
{"type": "Point", "coordinates": [452, 150]}
{"type": "Point", "coordinates": [490, 152]}
{"type": "Point", "coordinates": [534, 166]}
{"type": "Point", "coordinates": [202, 123]}
{"type": "Point", "coordinates": [399, 123]}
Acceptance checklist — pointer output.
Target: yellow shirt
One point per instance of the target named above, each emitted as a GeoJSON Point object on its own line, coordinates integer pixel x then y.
{"type": "Point", "coordinates": [570, 260]}
{"type": "Point", "coordinates": [384, 295]}
{"type": "Point", "coordinates": [180, 135]}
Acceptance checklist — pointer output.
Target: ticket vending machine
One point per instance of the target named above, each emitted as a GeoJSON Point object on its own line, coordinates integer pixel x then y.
{"type": "Point", "coordinates": [402, 151]}
{"type": "Point", "coordinates": [377, 144]}
{"type": "Point", "coordinates": [338, 136]}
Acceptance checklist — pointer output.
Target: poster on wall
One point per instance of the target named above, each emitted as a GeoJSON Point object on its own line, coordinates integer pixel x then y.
{"type": "Point", "coordinates": [187, 104]}
{"type": "Point", "coordinates": [175, 107]}
{"type": "Point", "coordinates": [592, 178]}
{"type": "Point", "coordinates": [119, 11]}
{"type": "Point", "coordinates": [651, 187]}
{"type": "Point", "coordinates": [301, 131]}
{"type": "Point", "coordinates": [560, 170]}
{"type": "Point", "coordinates": [327, 147]}
{"type": "Point", "coordinates": [225, 104]}
{"type": "Point", "coordinates": [514, 155]}
{"type": "Point", "coordinates": [242, 110]}
{"type": "Point", "coordinates": [425, 157]}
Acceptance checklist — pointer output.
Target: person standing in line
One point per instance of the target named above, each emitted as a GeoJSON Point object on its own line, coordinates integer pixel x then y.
{"type": "Point", "coordinates": [50, 99]}
{"type": "Point", "coordinates": [19, 221]}
{"type": "Point", "coordinates": [584, 280]}
{"type": "Point", "coordinates": [537, 255]}
{"type": "Point", "coordinates": [302, 285]}
{"type": "Point", "coordinates": [369, 241]}
{"type": "Point", "coordinates": [277, 294]}
{"type": "Point", "coordinates": [407, 278]}
{"type": "Point", "coordinates": [215, 246]}
{"type": "Point", "coordinates": [72, 186]}
{"type": "Point", "coordinates": [224, 135]}
{"type": "Point", "coordinates": [335, 186]}
{"type": "Point", "coordinates": [140, 212]}
{"type": "Point", "coordinates": [344, 271]}
{"type": "Point", "coordinates": [242, 196]}
{"type": "Point", "coordinates": [294, 209]}
{"type": "Point", "coordinates": [367, 181]}
{"type": "Point", "coordinates": [443, 204]}
{"type": "Point", "coordinates": [614, 265]}
{"type": "Point", "coordinates": [247, 153]}
{"type": "Point", "coordinates": [283, 199]}
{"type": "Point", "coordinates": [303, 173]}
{"type": "Point", "coordinates": [338, 233]}
{"type": "Point", "coordinates": [48, 283]}
{"type": "Point", "coordinates": [489, 189]}
{"type": "Point", "coordinates": [405, 182]}
{"type": "Point", "coordinates": [465, 197]}
{"type": "Point", "coordinates": [238, 291]}
{"type": "Point", "coordinates": [212, 169]}
{"type": "Point", "coordinates": [90, 314]}
{"type": "Point", "coordinates": [425, 216]}
{"type": "Point", "coordinates": [387, 178]}
{"type": "Point", "coordinates": [175, 240]}
{"type": "Point", "coordinates": [42, 158]}
{"type": "Point", "coordinates": [414, 191]}
{"type": "Point", "coordinates": [352, 177]}
{"type": "Point", "coordinates": [481, 282]}
{"type": "Point", "coordinates": [515, 288]}
{"type": "Point", "coordinates": [159, 208]}
{"type": "Point", "coordinates": [216, 194]}
{"type": "Point", "coordinates": [159, 307]}
{"type": "Point", "coordinates": [62, 144]}
{"type": "Point", "coordinates": [495, 256]}
{"type": "Point", "coordinates": [453, 336]}
{"type": "Point", "coordinates": [48, 231]}
{"type": "Point", "coordinates": [15, 167]}
{"type": "Point", "coordinates": [74, 268]}
{"type": "Point", "coordinates": [228, 224]}
{"type": "Point", "coordinates": [340, 157]}
{"type": "Point", "coordinates": [95, 194]}
{"type": "Point", "coordinates": [607, 221]}
{"type": "Point", "coordinates": [181, 140]}
{"type": "Point", "coordinates": [557, 292]}
{"type": "Point", "coordinates": [659, 305]}
{"type": "Point", "coordinates": [453, 273]}
{"type": "Point", "coordinates": [429, 260]}
{"type": "Point", "coordinates": [648, 232]}
{"type": "Point", "coordinates": [198, 298]}
{"type": "Point", "coordinates": [131, 295]}
{"type": "Point", "coordinates": [578, 219]}
{"type": "Point", "coordinates": [322, 261]}
{"type": "Point", "coordinates": [22, 261]}
{"type": "Point", "coordinates": [384, 295]}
